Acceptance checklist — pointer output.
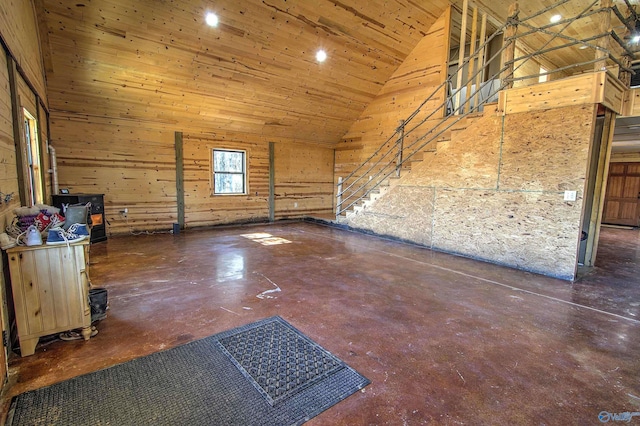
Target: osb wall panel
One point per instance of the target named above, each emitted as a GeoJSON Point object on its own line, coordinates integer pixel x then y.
{"type": "Point", "coordinates": [202, 208]}
{"type": "Point", "coordinates": [422, 72]}
{"type": "Point", "coordinates": [495, 192]}
{"type": "Point", "coordinates": [454, 165]}
{"type": "Point", "coordinates": [405, 212]}
{"type": "Point", "coordinates": [537, 232]}
{"type": "Point", "coordinates": [132, 165]}
{"type": "Point", "coordinates": [547, 150]}
{"type": "Point", "coordinates": [303, 180]}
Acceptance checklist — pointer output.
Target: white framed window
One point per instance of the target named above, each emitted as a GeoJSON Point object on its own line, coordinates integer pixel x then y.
{"type": "Point", "coordinates": [229, 172]}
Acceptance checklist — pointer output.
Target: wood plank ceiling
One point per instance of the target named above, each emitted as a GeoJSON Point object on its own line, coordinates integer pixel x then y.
{"type": "Point", "coordinates": [157, 62]}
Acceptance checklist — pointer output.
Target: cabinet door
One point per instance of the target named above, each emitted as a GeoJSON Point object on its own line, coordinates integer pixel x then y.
{"type": "Point", "coordinates": [52, 290]}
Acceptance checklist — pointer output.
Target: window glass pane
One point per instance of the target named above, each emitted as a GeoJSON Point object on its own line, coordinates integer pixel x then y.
{"type": "Point", "coordinates": [226, 183]}
{"type": "Point", "coordinates": [228, 161]}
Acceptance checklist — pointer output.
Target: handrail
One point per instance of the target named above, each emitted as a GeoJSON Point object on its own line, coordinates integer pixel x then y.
{"type": "Point", "coordinates": [434, 93]}
{"type": "Point", "coordinates": [392, 155]}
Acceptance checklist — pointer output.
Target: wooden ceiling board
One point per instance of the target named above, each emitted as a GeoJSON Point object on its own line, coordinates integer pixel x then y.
{"type": "Point", "coordinates": [156, 61]}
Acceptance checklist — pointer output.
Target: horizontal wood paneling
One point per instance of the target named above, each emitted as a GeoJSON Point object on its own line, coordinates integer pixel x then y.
{"type": "Point", "coordinates": [201, 206]}
{"type": "Point", "coordinates": [303, 181]}
{"type": "Point", "coordinates": [133, 166]}
{"type": "Point", "coordinates": [256, 73]}
{"type": "Point", "coordinates": [19, 29]}
{"type": "Point", "coordinates": [625, 157]}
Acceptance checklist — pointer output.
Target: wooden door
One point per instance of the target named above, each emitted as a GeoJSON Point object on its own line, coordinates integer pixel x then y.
{"type": "Point", "coordinates": [622, 202]}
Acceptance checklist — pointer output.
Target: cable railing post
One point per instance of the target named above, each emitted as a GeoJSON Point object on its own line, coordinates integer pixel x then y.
{"type": "Point", "coordinates": [339, 197]}
{"type": "Point", "coordinates": [400, 147]}
{"type": "Point", "coordinates": [603, 43]}
{"type": "Point", "coordinates": [623, 75]}
{"type": "Point", "coordinates": [509, 53]}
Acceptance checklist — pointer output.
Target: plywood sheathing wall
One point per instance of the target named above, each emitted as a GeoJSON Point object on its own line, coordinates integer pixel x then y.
{"type": "Point", "coordinates": [495, 192]}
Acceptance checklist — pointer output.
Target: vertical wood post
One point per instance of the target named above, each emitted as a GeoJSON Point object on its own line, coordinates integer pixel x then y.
{"type": "Point", "coordinates": [509, 53]}
{"type": "Point", "coordinates": [400, 148]}
{"type": "Point", "coordinates": [179, 178]}
{"type": "Point", "coordinates": [339, 197]}
{"type": "Point", "coordinates": [463, 46]}
{"type": "Point", "coordinates": [625, 76]}
{"type": "Point", "coordinates": [472, 62]}
{"type": "Point", "coordinates": [272, 182]}
{"type": "Point", "coordinates": [481, 58]}
{"type": "Point", "coordinates": [601, 187]}
{"type": "Point", "coordinates": [604, 42]}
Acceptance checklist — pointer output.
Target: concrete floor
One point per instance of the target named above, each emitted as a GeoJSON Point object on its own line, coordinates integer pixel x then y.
{"type": "Point", "coordinates": [443, 339]}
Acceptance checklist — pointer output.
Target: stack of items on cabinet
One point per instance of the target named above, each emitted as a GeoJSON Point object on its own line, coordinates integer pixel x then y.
{"type": "Point", "coordinates": [33, 225]}
{"type": "Point", "coordinates": [48, 259]}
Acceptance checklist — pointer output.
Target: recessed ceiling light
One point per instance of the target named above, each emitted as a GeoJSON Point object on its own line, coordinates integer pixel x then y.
{"type": "Point", "coordinates": [636, 39]}
{"type": "Point", "coordinates": [555, 18]}
{"type": "Point", "coordinates": [211, 19]}
{"type": "Point", "coordinates": [321, 55]}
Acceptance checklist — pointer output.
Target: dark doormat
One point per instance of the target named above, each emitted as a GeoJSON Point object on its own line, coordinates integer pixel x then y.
{"type": "Point", "coordinates": [265, 373]}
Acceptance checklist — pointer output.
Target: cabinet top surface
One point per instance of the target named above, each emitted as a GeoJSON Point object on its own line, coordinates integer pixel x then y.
{"type": "Point", "coordinates": [78, 195]}
{"type": "Point", "coordinates": [18, 249]}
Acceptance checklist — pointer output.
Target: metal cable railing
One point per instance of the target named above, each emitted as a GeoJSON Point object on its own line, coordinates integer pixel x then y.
{"type": "Point", "coordinates": [392, 155]}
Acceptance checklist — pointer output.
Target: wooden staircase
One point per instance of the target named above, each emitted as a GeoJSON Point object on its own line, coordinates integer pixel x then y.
{"type": "Point", "coordinates": [447, 137]}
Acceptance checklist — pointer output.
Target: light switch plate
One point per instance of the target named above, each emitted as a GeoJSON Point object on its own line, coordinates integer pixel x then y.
{"type": "Point", "coordinates": [570, 195]}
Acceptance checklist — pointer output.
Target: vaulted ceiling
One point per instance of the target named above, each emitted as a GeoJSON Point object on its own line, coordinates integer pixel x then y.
{"type": "Point", "coordinates": [157, 62]}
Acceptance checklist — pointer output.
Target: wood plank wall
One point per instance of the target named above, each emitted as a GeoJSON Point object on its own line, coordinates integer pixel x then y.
{"type": "Point", "coordinates": [201, 206]}
{"type": "Point", "coordinates": [19, 30]}
{"type": "Point", "coordinates": [132, 164]}
{"type": "Point", "coordinates": [424, 69]}
{"type": "Point", "coordinates": [20, 50]}
{"type": "Point", "coordinates": [303, 181]}
{"type": "Point", "coordinates": [625, 157]}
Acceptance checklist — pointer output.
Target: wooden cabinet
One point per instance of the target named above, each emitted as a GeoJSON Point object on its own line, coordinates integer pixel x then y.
{"type": "Point", "coordinates": [50, 291]}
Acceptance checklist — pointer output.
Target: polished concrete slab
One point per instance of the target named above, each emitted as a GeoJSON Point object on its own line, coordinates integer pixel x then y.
{"type": "Point", "coordinates": [443, 339]}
